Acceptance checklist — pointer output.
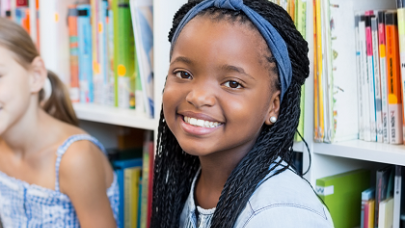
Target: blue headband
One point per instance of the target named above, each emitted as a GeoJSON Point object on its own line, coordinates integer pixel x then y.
{"type": "Point", "coordinates": [270, 34]}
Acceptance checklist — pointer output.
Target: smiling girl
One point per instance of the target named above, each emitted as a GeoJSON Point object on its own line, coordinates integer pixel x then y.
{"type": "Point", "coordinates": [231, 107]}
{"type": "Point", "coordinates": [52, 174]}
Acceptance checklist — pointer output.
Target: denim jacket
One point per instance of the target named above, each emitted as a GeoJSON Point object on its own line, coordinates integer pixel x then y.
{"type": "Point", "coordinates": [282, 201]}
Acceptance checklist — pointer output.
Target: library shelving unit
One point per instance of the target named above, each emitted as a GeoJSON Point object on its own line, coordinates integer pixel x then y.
{"type": "Point", "coordinates": [327, 159]}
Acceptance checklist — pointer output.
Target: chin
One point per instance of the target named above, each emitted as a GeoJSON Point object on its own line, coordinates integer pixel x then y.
{"type": "Point", "coordinates": [195, 149]}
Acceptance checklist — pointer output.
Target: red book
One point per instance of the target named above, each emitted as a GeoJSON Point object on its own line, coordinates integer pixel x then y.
{"type": "Point", "coordinates": [150, 190]}
{"type": "Point", "coordinates": [21, 3]}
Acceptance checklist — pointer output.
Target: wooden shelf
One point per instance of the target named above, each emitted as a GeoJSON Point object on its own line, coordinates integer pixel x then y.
{"type": "Point", "coordinates": [114, 116]}
{"type": "Point", "coordinates": [366, 151]}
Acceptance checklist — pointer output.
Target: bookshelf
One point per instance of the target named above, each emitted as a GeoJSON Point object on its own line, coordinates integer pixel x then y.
{"type": "Point", "coordinates": [366, 151]}
{"type": "Point", "coordinates": [327, 159]}
{"type": "Point", "coordinates": [114, 116]}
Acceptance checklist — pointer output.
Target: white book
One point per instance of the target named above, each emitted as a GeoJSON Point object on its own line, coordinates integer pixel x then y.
{"type": "Point", "coordinates": [377, 80]}
{"type": "Point", "coordinates": [327, 74]}
{"type": "Point", "coordinates": [342, 95]}
{"type": "Point", "coordinates": [397, 196]}
{"type": "Point", "coordinates": [383, 73]}
{"type": "Point", "coordinates": [142, 19]}
{"type": "Point", "coordinates": [359, 75]}
{"type": "Point", "coordinates": [370, 80]}
{"type": "Point", "coordinates": [364, 82]}
{"type": "Point", "coordinates": [385, 216]}
{"type": "Point", "coordinates": [54, 37]}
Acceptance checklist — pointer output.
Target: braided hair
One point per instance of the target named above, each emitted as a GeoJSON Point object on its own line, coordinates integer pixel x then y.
{"type": "Point", "coordinates": [175, 170]}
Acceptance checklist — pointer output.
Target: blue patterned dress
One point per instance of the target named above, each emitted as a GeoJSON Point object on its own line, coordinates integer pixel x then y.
{"type": "Point", "coordinates": [28, 205]}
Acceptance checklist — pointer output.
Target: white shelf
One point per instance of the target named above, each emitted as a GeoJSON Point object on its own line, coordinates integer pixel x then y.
{"type": "Point", "coordinates": [366, 151]}
{"type": "Point", "coordinates": [114, 116]}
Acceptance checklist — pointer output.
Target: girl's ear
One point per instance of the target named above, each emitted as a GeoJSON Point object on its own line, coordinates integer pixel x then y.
{"type": "Point", "coordinates": [274, 108]}
{"type": "Point", "coordinates": [37, 74]}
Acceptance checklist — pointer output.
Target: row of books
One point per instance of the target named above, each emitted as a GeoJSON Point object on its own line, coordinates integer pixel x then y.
{"type": "Point", "coordinates": [133, 167]}
{"type": "Point", "coordinates": [109, 48]}
{"type": "Point", "coordinates": [379, 76]}
{"type": "Point", "coordinates": [352, 201]}
{"type": "Point", "coordinates": [297, 9]}
{"type": "Point", "coordinates": [358, 83]}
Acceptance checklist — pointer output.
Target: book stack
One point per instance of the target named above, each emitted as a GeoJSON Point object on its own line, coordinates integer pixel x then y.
{"type": "Point", "coordinates": [353, 202]}
{"type": "Point", "coordinates": [114, 61]}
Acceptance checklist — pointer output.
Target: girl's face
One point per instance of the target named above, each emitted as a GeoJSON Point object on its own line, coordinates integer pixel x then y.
{"type": "Point", "coordinates": [15, 90]}
{"type": "Point", "coordinates": [219, 90]}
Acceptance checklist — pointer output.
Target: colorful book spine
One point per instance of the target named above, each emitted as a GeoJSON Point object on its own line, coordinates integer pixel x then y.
{"type": "Point", "coordinates": [102, 52]}
{"type": "Point", "coordinates": [383, 74]}
{"type": "Point", "coordinates": [125, 56]}
{"type": "Point", "coordinates": [300, 20]}
{"type": "Point", "coordinates": [85, 54]}
{"type": "Point", "coordinates": [145, 182]}
{"type": "Point", "coordinates": [366, 196]}
{"type": "Point", "coordinates": [74, 54]}
{"type": "Point", "coordinates": [401, 34]}
{"type": "Point", "coordinates": [377, 80]}
{"type": "Point", "coordinates": [316, 93]}
{"type": "Point", "coordinates": [364, 79]}
{"type": "Point", "coordinates": [119, 167]}
{"type": "Point", "coordinates": [5, 7]}
{"type": "Point", "coordinates": [397, 196]}
{"type": "Point", "coordinates": [370, 79]}
{"type": "Point", "coordinates": [359, 76]}
{"type": "Point", "coordinates": [131, 177]}
{"type": "Point", "coordinates": [370, 213]}
{"type": "Point", "coordinates": [97, 79]}
{"type": "Point", "coordinates": [385, 213]}
{"type": "Point", "coordinates": [111, 85]}
{"type": "Point", "coordinates": [394, 78]}
{"type": "Point", "coordinates": [364, 215]}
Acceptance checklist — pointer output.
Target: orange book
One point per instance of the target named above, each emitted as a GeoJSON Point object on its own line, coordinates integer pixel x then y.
{"type": "Point", "coordinates": [393, 78]}
{"type": "Point", "coordinates": [74, 54]}
{"type": "Point", "coordinates": [26, 20]}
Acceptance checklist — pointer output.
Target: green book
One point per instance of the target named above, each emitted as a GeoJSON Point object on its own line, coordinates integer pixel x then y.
{"type": "Point", "coordinates": [124, 55]}
{"type": "Point", "coordinates": [342, 195]}
{"type": "Point", "coordinates": [300, 23]}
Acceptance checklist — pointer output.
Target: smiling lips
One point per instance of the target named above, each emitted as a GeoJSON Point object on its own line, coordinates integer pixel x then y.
{"type": "Point", "coordinates": [200, 123]}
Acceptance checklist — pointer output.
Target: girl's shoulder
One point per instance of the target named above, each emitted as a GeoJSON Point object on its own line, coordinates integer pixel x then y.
{"type": "Point", "coordinates": [285, 200]}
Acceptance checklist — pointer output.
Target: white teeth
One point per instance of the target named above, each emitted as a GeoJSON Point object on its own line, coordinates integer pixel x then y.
{"type": "Point", "coordinates": [200, 123]}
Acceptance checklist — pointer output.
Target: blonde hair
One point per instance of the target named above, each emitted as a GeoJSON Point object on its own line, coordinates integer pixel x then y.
{"type": "Point", "coordinates": [14, 38]}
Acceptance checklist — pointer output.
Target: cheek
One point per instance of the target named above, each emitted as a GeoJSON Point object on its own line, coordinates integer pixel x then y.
{"type": "Point", "coordinates": [14, 95]}
{"type": "Point", "coordinates": [171, 98]}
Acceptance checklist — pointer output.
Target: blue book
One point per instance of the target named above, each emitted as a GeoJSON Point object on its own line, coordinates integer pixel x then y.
{"type": "Point", "coordinates": [119, 167]}
{"type": "Point", "coordinates": [85, 53]}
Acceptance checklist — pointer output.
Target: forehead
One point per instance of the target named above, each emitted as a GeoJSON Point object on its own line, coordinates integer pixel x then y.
{"type": "Point", "coordinates": [224, 37]}
{"type": "Point", "coordinates": [6, 57]}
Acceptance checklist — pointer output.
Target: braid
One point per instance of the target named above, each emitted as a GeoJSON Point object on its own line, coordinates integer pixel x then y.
{"type": "Point", "coordinates": [175, 170]}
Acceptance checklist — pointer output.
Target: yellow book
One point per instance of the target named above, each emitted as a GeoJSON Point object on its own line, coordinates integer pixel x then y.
{"type": "Point", "coordinates": [320, 110]}
{"type": "Point", "coordinates": [316, 96]}
{"type": "Point", "coordinates": [131, 196]}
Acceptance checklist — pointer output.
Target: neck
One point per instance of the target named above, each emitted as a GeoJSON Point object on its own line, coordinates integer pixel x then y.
{"type": "Point", "coordinates": [215, 171]}
{"type": "Point", "coordinates": [23, 136]}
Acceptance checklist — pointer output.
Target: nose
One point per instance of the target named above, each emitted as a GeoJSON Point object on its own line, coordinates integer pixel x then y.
{"type": "Point", "coordinates": [201, 96]}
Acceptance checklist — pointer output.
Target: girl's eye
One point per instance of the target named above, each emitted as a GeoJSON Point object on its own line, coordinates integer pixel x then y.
{"type": "Point", "coordinates": [183, 74]}
{"type": "Point", "coordinates": [233, 84]}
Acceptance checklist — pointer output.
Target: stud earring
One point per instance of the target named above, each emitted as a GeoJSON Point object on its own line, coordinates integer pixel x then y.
{"type": "Point", "coordinates": [273, 119]}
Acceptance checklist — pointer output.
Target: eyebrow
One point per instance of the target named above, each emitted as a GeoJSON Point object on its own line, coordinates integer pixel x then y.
{"type": "Point", "coordinates": [182, 59]}
{"type": "Point", "coordinates": [239, 70]}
